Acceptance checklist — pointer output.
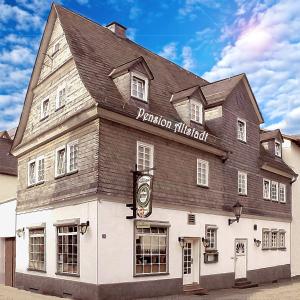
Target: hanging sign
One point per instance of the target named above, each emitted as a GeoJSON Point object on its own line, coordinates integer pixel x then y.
{"type": "Point", "coordinates": [143, 196]}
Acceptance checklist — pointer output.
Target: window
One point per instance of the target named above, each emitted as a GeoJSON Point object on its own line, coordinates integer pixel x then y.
{"type": "Point", "coordinates": [60, 166]}
{"type": "Point", "coordinates": [66, 159]}
{"type": "Point", "coordinates": [282, 193]}
{"type": "Point", "coordinates": [72, 151]}
{"type": "Point", "coordinates": [281, 239]}
{"type": "Point", "coordinates": [61, 97]}
{"type": "Point", "coordinates": [139, 86]}
{"type": "Point", "coordinates": [274, 239]}
{"type": "Point", "coordinates": [191, 219]}
{"type": "Point", "coordinates": [56, 48]}
{"type": "Point", "coordinates": [274, 191]}
{"type": "Point", "coordinates": [45, 108]}
{"type": "Point", "coordinates": [266, 239]}
{"type": "Point", "coordinates": [267, 189]}
{"type": "Point", "coordinates": [211, 236]}
{"type": "Point", "coordinates": [151, 250]}
{"type": "Point", "coordinates": [144, 157]}
{"type": "Point", "coordinates": [241, 130]}
{"type": "Point", "coordinates": [36, 171]}
{"type": "Point", "coordinates": [277, 148]}
{"type": "Point", "coordinates": [31, 173]}
{"type": "Point", "coordinates": [202, 172]}
{"type": "Point", "coordinates": [37, 249]}
{"type": "Point", "coordinates": [242, 183]}
{"type": "Point", "coordinates": [68, 249]}
{"type": "Point", "coordinates": [196, 112]}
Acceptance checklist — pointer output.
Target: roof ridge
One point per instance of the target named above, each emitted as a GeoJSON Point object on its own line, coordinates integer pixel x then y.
{"type": "Point", "coordinates": [228, 78]}
{"type": "Point", "coordinates": [130, 41]}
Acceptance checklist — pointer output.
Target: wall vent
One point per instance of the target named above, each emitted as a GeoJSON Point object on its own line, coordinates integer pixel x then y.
{"type": "Point", "coordinates": [191, 219]}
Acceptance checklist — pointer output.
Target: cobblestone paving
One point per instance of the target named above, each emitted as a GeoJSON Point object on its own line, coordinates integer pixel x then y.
{"type": "Point", "coordinates": [286, 290]}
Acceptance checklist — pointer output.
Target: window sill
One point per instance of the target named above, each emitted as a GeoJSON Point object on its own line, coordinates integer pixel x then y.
{"type": "Point", "coordinates": [34, 270]}
{"type": "Point", "coordinates": [66, 174]}
{"type": "Point", "coordinates": [66, 274]}
{"type": "Point", "coordinates": [282, 202]}
{"type": "Point", "coordinates": [243, 195]}
{"type": "Point", "coordinates": [44, 118]}
{"type": "Point", "coordinates": [54, 53]}
{"type": "Point", "coordinates": [282, 249]}
{"type": "Point", "coordinates": [59, 108]}
{"type": "Point", "coordinates": [35, 184]}
{"type": "Point", "coordinates": [203, 186]}
{"type": "Point", "coordinates": [264, 249]}
{"type": "Point", "coordinates": [242, 141]}
{"type": "Point", "coordinates": [267, 199]}
{"type": "Point", "coordinates": [151, 274]}
{"type": "Point", "coordinates": [140, 99]}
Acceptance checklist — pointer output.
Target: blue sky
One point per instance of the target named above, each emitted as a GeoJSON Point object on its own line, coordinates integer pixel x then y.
{"type": "Point", "coordinates": [214, 39]}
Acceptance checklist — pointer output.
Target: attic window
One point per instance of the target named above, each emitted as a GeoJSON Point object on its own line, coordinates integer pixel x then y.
{"type": "Point", "coordinates": [139, 87]}
{"type": "Point", "coordinates": [277, 148]}
{"type": "Point", "coordinates": [56, 48]}
{"type": "Point", "coordinates": [196, 112]}
{"type": "Point", "coordinates": [241, 130]}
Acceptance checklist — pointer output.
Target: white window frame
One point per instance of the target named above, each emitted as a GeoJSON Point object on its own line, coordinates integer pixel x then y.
{"type": "Point", "coordinates": [194, 118]}
{"type": "Point", "coordinates": [32, 248]}
{"type": "Point", "coordinates": [280, 233]}
{"type": "Point", "coordinates": [151, 147]}
{"type": "Point", "coordinates": [215, 229]}
{"type": "Point", "coordinates": [68, 157]}
{"type": "Point", "coordinates": [244, 138]}
{"type": "Point", "coordinates": [268, 197]}
{"type": "Point", "coordinates": [276, 240]}
{"type": "Point", "coordinates": [277, 190]}
{"type": "Point", "coordinates": [60, 88]}
{"type": "Point", "coordinates": [56, 160]}
{"type": "Point", "coordinates": [241, 173]}
{"type": "Point", "coordinates": [28, 173]}
{"type": "Point", "coordinates": [281, 185]}
{"type": "Point", "coordinates": [263, 246]}
{"type": "Point", "coordinates": [141, 77]}
{"type": "Point", "coordinates": [43, 116]}
{"type": "Point", "coordinates": [38, 159]}
{"type": "Point", "coordinates": [36, 162]}
{"type": "Point", "coordinates": [206, 163]}
{"type": "Point", "coordinates": [278, 154]}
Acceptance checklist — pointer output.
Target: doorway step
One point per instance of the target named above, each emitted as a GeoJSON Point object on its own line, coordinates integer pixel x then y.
{"type": "Point", "coordinates": [194, 289]}
{"type": "Point", "coordinates": [244, 283]}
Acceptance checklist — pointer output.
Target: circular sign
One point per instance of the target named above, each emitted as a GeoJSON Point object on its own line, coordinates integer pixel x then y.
{"type": "Point", "coordinates": [143, 195]}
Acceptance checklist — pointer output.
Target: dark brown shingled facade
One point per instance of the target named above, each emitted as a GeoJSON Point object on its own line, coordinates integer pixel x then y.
{"type": "Point", "coordinates": [8, 163]}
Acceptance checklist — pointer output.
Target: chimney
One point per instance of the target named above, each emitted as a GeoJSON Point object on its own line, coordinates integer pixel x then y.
{"type": "Point", "coordinates": [117, 29]}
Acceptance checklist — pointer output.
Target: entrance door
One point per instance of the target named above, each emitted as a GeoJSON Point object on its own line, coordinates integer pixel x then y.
{"type": "Point", "coordinates": [10, 261]}
{"type": "Point", "coordinates": [188, 260]}
{"type": "Point", "coordinates": [240, 258]}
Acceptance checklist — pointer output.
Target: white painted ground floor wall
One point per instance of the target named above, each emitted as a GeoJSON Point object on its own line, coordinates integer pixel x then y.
{"type": "Point", "coordinates": [7, 229]}
{"type": "Point", "coordinates": [107, 249]}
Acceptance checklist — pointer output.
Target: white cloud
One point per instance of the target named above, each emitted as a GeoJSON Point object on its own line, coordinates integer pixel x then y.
{"type": "Point", "coordinates": [188, 61]}
{"type": "Point", "coordinates": [18, 56]}
{"type": "Point", "coordinates": [23, 19]}
{"type": "Point", "coordinates": [267, 49]}
{"type": "Point", "coordinates": [134, 12]}
{"type": "Point", "coordinates": [38, 6]}
{"type": "Point", "coordinates": [83, 2]}
{"type": "Point", "coordinates": [131, 32]}
{"type": "Point", "coordinates": [169, 51]}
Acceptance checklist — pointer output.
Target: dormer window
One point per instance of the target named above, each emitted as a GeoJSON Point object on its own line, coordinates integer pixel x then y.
{"type": "Point", "coordinates": [196, 112]}
{"type": "Point", "coordinates": [277, 148]}
{"type": "Point", "coordinates": [241, 130]}
{"type": "Point", "coordinates": [139, 87]}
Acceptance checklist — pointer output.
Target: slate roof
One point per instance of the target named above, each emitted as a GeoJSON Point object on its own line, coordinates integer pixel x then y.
{"type": "Point", "coordinates": [269, 135]}
{"type": "Point", "coordinates": [267, 158]}
{"type": "Point", "coordinates": [8, 163]}
{"type": "Point", "coordinates": [97, 51]}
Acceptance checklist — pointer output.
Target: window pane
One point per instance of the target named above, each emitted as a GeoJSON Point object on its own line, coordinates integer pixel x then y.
{"type": "Point", "coordinates": [37, 249]}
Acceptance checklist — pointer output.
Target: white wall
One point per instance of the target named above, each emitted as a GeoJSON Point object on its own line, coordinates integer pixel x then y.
{"type": "Point", "coordinates": [10, 187]}
{"type": "Point", "coordinates": [88, 242]}
{"type": "Point", "coordinates": [8, 219]}
{"type": "Point", "coordinates": [291, 155]}
{"type": "Point", "coordinates": [116, 251]}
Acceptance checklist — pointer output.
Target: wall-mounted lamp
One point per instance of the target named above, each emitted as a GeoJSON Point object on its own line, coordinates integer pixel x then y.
{"type": "Point", "coordinates": [257, 242]}
{"type": "Point", "coordinates": [237, 210]}
{"type": "Point", "coordinates": [181, 241]}
{"type": "Point", "coordinates": [205, 242]}
{"type": "Point", "coordinates": [83, 227]}
{"type": "Point", "coordinates": [20, 232]}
